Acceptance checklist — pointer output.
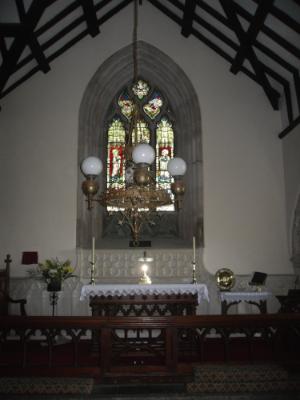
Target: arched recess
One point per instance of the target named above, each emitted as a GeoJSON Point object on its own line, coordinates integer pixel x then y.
{"type": "Point", "coordinates": [111, 76]}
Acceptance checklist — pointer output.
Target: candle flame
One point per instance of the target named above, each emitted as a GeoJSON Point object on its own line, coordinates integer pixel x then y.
{"type": "Point", "coordinates": [144, 268]}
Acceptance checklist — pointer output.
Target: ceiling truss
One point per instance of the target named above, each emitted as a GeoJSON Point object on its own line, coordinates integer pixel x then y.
{"type": "Point", "coordinates": [243, 48]}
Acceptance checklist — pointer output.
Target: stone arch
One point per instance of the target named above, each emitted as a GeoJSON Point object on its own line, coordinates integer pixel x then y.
{"type": "Point", "coordinates": [111, 76]}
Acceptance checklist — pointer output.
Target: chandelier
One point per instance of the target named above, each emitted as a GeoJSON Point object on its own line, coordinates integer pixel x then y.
{"type": "Point", "coordinates": [138, 201]}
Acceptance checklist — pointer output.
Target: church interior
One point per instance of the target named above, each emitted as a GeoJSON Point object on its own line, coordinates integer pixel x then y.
{"type": "Point", "coordinates": [150, 236]}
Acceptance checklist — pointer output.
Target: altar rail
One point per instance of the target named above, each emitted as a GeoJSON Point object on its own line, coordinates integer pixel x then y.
{"type": "Point", "coordinates": [150, 348]}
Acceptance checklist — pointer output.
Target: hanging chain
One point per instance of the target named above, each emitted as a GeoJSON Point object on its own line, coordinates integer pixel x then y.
{"type": "Point", "coordinates": [134, 40]}
{"type": "Point", "coordinates": [135, 113]}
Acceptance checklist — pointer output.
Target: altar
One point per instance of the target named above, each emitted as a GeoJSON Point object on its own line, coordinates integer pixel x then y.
{"type": "Point", "coordinates": [148, 300]}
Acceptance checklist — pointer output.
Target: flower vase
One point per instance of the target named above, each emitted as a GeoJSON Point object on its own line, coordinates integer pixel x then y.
{"type": "Point", "coordinates": [54, 286]}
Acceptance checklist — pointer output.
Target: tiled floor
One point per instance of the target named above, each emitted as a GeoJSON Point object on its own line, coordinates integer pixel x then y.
{"type": "Point", "coordinates": [155, 397]}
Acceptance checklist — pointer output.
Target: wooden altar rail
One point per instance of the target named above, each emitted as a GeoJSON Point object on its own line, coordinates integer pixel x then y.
{"type": "Point", "coordinates": [181, 342]}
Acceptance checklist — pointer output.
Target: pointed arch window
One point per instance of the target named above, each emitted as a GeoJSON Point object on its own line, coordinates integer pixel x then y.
{"type": "Point", "coordinates": [155, 127]}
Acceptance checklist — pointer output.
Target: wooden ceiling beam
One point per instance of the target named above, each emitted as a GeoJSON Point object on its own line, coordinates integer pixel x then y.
{"type": "Point", "coordinates": [283, 17]}
{"type": "Point", "coordinates": [21, 9]}
{"type": "Point", "coordinates": [287, 91]}
{"type": "Point", "coordinates": [271, 93]}
{"type": "Point", "coordinates": [38, 53]}
{"type": "Point", "coordinates": [268, 52]}
{"type": "Point", "coordinates": [210, 28]}
{"type": "Point", "coordinates": [268, 31]}
{"type": "Point", "coordinates": [33, 16]}
{"type": "Point", "coordinates": [3, 47]}
{"type": "Point", "coordinates": [248, 17]}
{"type": "Point", "coordinates": [68, 28]}
{"type": "Point", "coordinates": [212, 45]}
{"type": "Point", "coordinates": [288, 129]}
{"type": "Point", "coordinates": [188, 15]}
{"type": "Point", "coordinates": [203, 39]}
{"type": "Point", "coordinates": [66, 46]}
{"type": "Point", "coordinates": [32, 40]}
{"type": "Point", "coordinates": [11, 29]}
{"type": "Point", "coordinates": [90, 17]}
{"type": "Point", "coordinates": [258, 20]}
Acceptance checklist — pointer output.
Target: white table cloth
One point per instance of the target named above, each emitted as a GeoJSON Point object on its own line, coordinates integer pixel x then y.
{"type": "Point", "coordinates": [246, 296]}
{"type": "Point", "coordinates": [154, 289]}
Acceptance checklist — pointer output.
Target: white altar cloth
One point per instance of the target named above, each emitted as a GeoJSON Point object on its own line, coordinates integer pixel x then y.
{"type": "Point", "coordinates": [137, 289]}
{"type": "Point", "coordinates": [244, 296]}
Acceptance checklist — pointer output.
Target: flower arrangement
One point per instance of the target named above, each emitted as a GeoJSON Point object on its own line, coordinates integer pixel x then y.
{"type": "Point", "coordinates": [53, 272]}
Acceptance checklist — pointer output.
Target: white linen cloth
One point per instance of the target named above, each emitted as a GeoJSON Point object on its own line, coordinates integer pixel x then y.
{"type": "Point", "coordinates": [137, 289]}
{"type": "Point", "coordinates": [246, 296]}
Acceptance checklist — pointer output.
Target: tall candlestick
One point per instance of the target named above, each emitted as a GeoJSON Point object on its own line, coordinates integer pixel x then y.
{"type": "Point", "coordinates": [92, 282]}
{"type": "Point", "coordinates": [194, 249]}
{"type": "Point", "coordinates": [93, 250]}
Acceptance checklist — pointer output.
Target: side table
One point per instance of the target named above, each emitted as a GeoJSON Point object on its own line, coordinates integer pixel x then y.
{"type": "Point", "coordinates": [258, 299]}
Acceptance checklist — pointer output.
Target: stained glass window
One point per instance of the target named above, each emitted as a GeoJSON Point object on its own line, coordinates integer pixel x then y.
{"type": "Point", "coordinates": [126, 104]}
{"type": "Point", "coordinates": [164, 152]}
{"type": "Point", "coordinates": [153, 107]}
{"type": "Point", "coordinates": [152, 127]}
{"type": "Point", "coordinates": [143, 133]}
{"type": "Point", "coordinates": [115, 155]}
{"type": "Point", "coordinates": [140, 89]}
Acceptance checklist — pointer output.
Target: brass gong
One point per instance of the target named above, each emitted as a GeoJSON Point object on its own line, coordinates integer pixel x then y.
{"type": "Point", "coordinates": [225, 279]}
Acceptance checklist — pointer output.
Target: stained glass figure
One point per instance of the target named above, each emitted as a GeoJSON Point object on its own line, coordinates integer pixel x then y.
{"type": "Point", "coordinates": [126, 104]}
{"type": "Point", "coordinates": [164, 152]}
{"type": "Point", "coordinates": [140, 89]}
{"type": "Point", "coordinates": [153, 107]}
{"type": "Point", "coordinates": [143, 133]}
{"type": "Point", "coordinates": [115, 165]}
{"type": "Point", "coordinates": [115, 154]}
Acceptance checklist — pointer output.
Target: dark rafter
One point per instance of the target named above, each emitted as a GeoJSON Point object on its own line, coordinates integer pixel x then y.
{"type": "Point", "coordinates": [32, 40]}
{"type": "Point", "coordinates": [283, 17]}
{"type": "Point", "coordinates": [272, 94]}
{"type": "Point", "coordinates": [268, 31]}
{"type": "Point", "coordinates": [248, 17]}
{"type": "Point", "coordinates": [188, 15]}
{"type": "Point", "coordinates": [3, 47]}
{"type": "Point", "coordinates": [11, 29]}
{"type": "Point", "coordinates": [285, 84]}
{"type": "Point", "coordinates": [267, 51]}
{"type": "Point", "coordinates": [38, 53]}
{"type": "Point", "coordinates": [32, 17]}
{"type": "Point", "coordinates": [289, 128]}
{"type": "Point", "coordinates": [90, 16]}
{"type": "Point", "coordinates": [199, 18]}
{"type": "Point", "coordinates": [21, 9]}
{"type": "Point", "coordinates": [201, 37]}
{"type": "Point", "coordinates": [54, 39]}
{"type": "Point", "coordinates": [253, 30]}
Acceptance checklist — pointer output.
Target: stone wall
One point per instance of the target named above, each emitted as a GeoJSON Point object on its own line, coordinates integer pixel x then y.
{"type": "Point", "coordinates": [123, 266]}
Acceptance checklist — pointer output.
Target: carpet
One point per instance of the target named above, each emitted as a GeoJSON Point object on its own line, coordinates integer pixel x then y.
{"type": "Point", "coordinates": [47, 386]}
{"type": "Point", "coordinates": [239, 378]}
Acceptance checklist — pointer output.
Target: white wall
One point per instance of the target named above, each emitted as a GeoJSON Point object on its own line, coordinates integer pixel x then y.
{"type": "Point", "coordinates": [243, 169]}
{"type": "Point", "coordinates": [291, 156]}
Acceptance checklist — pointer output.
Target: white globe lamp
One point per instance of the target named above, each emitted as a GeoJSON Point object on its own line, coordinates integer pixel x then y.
{"type": "Point", "coordinates": [177, 166]}
{"type": "Point", "coordinates": [91, 166]}
{"type": "Point", "coordinates": [143, 153]}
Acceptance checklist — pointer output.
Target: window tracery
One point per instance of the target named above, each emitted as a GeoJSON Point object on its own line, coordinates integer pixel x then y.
{"type": "Point", "coordinates": [154, 127]}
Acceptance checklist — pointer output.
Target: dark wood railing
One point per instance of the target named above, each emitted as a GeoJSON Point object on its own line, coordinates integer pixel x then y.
{"type": "Point", "coordinates": [164, 347]}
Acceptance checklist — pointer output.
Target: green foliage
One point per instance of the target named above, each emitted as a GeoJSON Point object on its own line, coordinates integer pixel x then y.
{"type": "Point", "coordinates": [53, 270]}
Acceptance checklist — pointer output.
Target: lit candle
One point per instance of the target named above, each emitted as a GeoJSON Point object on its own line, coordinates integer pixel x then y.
{"type": "Point", "coordinates": [194, 249]}
{"type": "Point", "coordinates": [93, 250]}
